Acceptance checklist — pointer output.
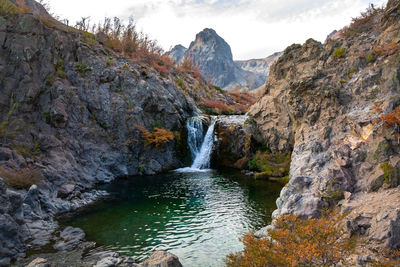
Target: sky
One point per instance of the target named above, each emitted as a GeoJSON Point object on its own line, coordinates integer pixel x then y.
{"type": "Point", "coordinates": [253, 28]}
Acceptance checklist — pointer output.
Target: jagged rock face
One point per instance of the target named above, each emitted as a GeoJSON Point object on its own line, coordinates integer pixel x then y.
{"type": "Point", "coordinates": [319, 105]}
{"type": "Point", "coordinates": [177, 53]}
{"type": "Point", "coordinates": [214, 58]}
{"type": "Point", "coordinates": [80, 104]}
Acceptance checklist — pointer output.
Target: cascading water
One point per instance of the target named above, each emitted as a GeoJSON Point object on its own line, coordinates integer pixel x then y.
{"type": "Point", "coordinates": [195, 135]}
{"type": "Point", "coordinates": [200, 145]}
{"type": "Point", "coordinates": [202, 159]}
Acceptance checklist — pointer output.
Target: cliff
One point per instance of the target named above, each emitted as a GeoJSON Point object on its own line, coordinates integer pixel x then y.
{"type": "Point", "coordinates": [73, 113]}
{"type": "Point", "coordinates": [321, 103]}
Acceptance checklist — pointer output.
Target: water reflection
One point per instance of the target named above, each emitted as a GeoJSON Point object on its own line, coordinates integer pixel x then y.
{"type": "Point", "coordinates": [197, 216]}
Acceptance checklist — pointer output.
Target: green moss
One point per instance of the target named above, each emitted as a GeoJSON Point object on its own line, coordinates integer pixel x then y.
{"type": "Point", "coordinates": [270, 164]}
{"type": "Point", "coordinates": [250, 121]}
{"type": "Point", "coordinates": [370, 58]}
{"type": "Point", "coordinates": [332, 193]}
{"type": "Point", "coordinates": [388, 171]}
{"type": "Point", "coordinates": [46, 116]}
{"type": "Point", "coordinates": [181, 83]}
{"type": "Point", "coordinates": [50, 80]}
{"type": "Point", "coordinates": [339, 52]}
{"type": "Point", "coordinates": [109, 62]}
{"type": "Point", "coordinates": [219, 89]}
{"type": "Point", "coordinates": [60, 70]}
{"type": "Point", "coordinates": [61, 74]}
{"type": "Point", "coordinates": [89, 38]}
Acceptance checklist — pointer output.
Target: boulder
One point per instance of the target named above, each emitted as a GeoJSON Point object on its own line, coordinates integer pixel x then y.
{"type": "Point", "coordinates": [162, 259]}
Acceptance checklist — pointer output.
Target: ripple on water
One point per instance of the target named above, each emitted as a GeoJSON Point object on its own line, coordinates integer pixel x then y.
{"type": "Point", "coordinates": [198, 216]}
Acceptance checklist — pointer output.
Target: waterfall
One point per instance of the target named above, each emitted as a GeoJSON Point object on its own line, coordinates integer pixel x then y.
{"type": "Point", "coordinates": [195, 135]}
{"type": "Point", "coordinates": [202, 159]}
{"type": "Point", "coordinates": [200, 145]}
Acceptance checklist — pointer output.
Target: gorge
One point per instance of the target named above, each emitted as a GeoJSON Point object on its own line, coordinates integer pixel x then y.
{"type": "Point", "coordinates": [111, 152]}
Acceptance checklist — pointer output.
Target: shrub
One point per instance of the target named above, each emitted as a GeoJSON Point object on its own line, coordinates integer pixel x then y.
{"type": "Point", "coordinates": [82, 68]}
{"type": "Point", "coordinates": [8, 9]}
{"type": "Point", "coordinates": [10, 128]}
{"type": "Point", "coordinates": [219, 89]}
{"type": "Point", "coordinates": [109, 62]}
{"type": "Point", "coordinates": [270, 164]}
{"type": "Point", "coordinates": [157, 137]}
{"type": "Point", "coordinates": [339, 52]}
{"type": "Point", "coordinates": [21, 179]}
{"type": "Point", "coordinates": [216, 107]}
{"type": "Point", "coordinates": [392, 119]}
{"type": "Point", "coordinates": [297, 242]}
{"type": "Point", "coordinates": [370, 58]}
{"type": "Point", "coordinates": [46, 116]}
{"type": "Point", "coordinates": [60, 70]}
{"type": "Point", "coordinates": [50, 80]}
{"type": "Point", "coordinates": [388, 171]}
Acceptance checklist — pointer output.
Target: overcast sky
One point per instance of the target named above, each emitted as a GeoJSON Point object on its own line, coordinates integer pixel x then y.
{"type": "Point", "coordinates": [253, 28]}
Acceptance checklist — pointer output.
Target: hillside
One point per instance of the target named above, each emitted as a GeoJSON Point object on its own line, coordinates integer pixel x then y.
{"type": "Point", "coordinates": [335, 106]}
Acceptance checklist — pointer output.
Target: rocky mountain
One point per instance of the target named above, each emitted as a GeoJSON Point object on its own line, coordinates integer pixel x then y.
{"type": "Point", "coordinates": [330, 104]}
{"type": "Point", "coordinates": [177, 53]}
{"type": "Point", "coordinates": [259, 66]}
{"type": "Point", "coordinates": [213, 55]}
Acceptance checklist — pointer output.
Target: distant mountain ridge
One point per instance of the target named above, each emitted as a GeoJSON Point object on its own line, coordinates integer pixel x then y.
{"type": "Point", "coordinates": [213, 55]}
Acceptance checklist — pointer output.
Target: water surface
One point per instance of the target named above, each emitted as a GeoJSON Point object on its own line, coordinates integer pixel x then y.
{"type": "Point", "coordinates": [197, 216]}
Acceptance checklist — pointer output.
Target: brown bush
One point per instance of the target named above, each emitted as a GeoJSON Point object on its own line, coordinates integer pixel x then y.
{"type": "Point", "coordinates": [21, 179]}
{"type": "Point", "coordinates": [157, 137]}
{"type": "Point", "coordinates": [297, 242]}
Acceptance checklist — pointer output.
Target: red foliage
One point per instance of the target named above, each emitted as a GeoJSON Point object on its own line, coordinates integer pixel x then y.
{"type": "Point", "coordinates": [215, 104]}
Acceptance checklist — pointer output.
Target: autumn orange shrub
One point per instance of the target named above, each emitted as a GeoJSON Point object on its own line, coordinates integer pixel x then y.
{"type": "Point", "coordinates": [297, 242]}
{"type": "Point", "coordinates": [157, 137]}
{"type": "Point", "coordinates": [387, 49]}
{"type": "Point", "coordinates": [244, 98]}
{"type": "Point", "coordinates": [391, 119]}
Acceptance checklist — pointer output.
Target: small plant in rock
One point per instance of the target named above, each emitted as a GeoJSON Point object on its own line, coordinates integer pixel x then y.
{"type": "Point", "coordinates": [46, 116]}
{"type": "Point", "coordinates": [339, 52]}
{"type": "Point", "coordinates": [297, 242]}
{"type": "Point", "coordinates": [82, 68]}
{"type": "Point", "coordinates": [23, 178]}
{"type": "Point", "coordinates": [370, 58]}
{"type": "Point", "coordinates": [8, 9]}
{"type": "Point", "coordinates": [60, 70]}
{"type": "Point", "coordinates": [10, 128]}
{"type": "Point", "coordinates": [109, 62]}
{"type": "Point", "coordinates": [388, 171]}
{"type": "Point", "coordinates": [157, 137]}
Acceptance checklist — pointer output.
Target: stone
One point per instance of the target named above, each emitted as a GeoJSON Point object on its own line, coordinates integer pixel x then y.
{"type": "Point", "coordinates": [70, 238]}
{"type": "Point", "coordinates": [162, 259]}
{"type": "Point", "coordinates": [65, 190]}
{"type": "Point", "coordinates": [39, 262]}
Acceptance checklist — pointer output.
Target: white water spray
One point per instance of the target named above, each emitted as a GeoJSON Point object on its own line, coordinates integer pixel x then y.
{"type": "Point", "coordinates": [200, 147]}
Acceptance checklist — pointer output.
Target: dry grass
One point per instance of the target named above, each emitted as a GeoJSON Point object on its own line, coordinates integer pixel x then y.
{"type": "Point", "coordinates": [23, 178]}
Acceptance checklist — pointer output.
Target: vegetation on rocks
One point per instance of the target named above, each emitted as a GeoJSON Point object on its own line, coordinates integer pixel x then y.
{"type": "Point", "coordinates": [11, 127]}
{"type": "Point", "coordinates": [21, 179]}
{"type": "Point", "coordinates": [157, 137]}
{"type": "Point", "coordinates": [297, 242]}
{"type": "Point", "coordinates": [270, 164]}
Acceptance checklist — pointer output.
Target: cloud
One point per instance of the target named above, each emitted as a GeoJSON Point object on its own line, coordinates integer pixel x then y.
{"type": "Point", "coordinates": [253, 28]}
